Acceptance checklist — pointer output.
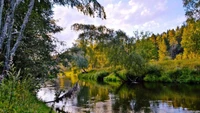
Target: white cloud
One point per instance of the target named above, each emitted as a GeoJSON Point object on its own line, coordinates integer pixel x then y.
{"type": "Point", "coordinates": [127, 15]}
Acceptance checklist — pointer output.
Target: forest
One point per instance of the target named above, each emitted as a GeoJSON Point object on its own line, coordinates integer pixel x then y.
{"type": "Point", "coordinates": [108, 55]}
{"type": "Point", "coordinates": [29, 58]}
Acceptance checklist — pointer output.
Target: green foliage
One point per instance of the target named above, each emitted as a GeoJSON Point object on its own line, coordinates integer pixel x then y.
{"type": "Point", "coordinates": [112, 78]}
{"type": "Point", "coordinates": [192, 9]}
{"type": "Point", "coordinates": [16, 95]}
{"type": "Point", "coordinates": [153, 73]}
{"type": "Point", "coordinates": [191, 40]}
{"type": "Point", "coordinates": [146, 48]}
{"type": "Point", "coordinates": [178, 75]}
{"type": "Point", "coordinates": [151, 78]}
{"type": "Point", "coordinates": [81, 62]}
{"type": "Point", "coordinates": [94, 75]}
{"type": "Point", "coordinates": [165, 78]}
{"type": "Point", "coordinates": [154, 70]}
{"type": "Point", "coordinates": [135, 64]}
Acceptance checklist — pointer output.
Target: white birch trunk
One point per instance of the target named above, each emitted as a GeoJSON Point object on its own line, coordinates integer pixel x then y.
{"type": "Point", "coordinates": [8, 21]}
{"type": "Point", "coordinates": [7, 62]}
{"type": "Point", "coordinates": [19, 38]}
{"type": "Point", "coordinates": [8, 26]}
{"type": "Point", "coordinates": [1, 11]}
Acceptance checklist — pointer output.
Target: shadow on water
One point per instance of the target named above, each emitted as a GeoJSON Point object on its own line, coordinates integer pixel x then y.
{"type": "Point", "coordinates": [124, 98]}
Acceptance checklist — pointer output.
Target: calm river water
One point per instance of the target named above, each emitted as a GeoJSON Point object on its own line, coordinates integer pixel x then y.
{"type": "Point", "coordinates": [93, 97]}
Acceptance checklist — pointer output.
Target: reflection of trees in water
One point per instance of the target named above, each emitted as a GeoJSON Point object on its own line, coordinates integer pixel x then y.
{"type": "Point", "coordinates": [144, 97]}
{"type": "Point", "coordinates": [130, 99]}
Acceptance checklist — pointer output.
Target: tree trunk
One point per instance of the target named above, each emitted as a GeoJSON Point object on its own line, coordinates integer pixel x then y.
{"type": "Point", "coordinates": [10, 53]}
{"type": "Point", "coordinates": [7, 57]}
{"type": "Point", "coordinates": [8, 20]}
{"type": "Point", "coordinates": [1, 10]}
{"type": "Point", "coordinates": [23, 26]}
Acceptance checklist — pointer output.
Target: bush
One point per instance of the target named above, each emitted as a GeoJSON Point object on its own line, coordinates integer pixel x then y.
{"type": "Point", "coordinates": [111, 78]}
{"type": "Point", "coordinates": [17, 96]}
{"type": "Point", "coordinates": [97, 76]}
{"type": "Point", "coordinates": [154, 70]}
{"type": "Point", "coordinates": [123, 74]}
{"type": "Point", "coordinates": [165, 77]}
{"type": "Point", "coordinates": [151, 78]}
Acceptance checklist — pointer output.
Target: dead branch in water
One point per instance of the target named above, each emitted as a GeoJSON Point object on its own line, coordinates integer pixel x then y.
{"type": "Point", "coordinates": [68, 94]}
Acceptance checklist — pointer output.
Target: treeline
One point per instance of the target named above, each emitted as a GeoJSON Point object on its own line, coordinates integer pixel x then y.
{"type": "Point", "coordinates": [98, 47]}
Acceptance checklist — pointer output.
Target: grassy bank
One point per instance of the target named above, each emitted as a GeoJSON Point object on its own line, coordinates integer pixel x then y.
{"type": "Point", "coordinates": [18, 96]}
{"type": "Point", "coordinates": [104, 75]}
{"type": "Point", "coordinates": [172, 71]}
{"type": "Point", "coordinates": [179, 71]}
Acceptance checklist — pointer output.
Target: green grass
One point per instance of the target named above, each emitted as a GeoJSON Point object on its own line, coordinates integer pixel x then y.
{"type": "Point", "coordinates": [104, 75]}
{"type": "Point", "coordinates": [94, 75]}
{"type": "Point", "coordinates": [174, 64]}
{"type": "Point", "coordinates": [111, 78]}
{"type": "Point", "coordinates": [18, 96]}
{"type": "Point", "coordinates": [179, 71]}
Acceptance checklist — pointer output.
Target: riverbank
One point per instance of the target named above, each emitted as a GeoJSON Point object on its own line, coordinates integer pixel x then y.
{"type": "Point", "coordinates": [19, 96]}
{"type": "Point", "coordinates": [168, 71]}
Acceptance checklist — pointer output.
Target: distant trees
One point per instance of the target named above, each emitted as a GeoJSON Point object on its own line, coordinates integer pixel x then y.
{"type": "Point", "coordinates": [191, 40]}
{"type": "Point", "coordinates": [191, 34]}
{"type": "Point", "coordinates": [105, 47]}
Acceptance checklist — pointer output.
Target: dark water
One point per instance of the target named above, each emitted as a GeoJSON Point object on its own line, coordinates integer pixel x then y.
{"type": "Point", "coordinates": [122, 98]}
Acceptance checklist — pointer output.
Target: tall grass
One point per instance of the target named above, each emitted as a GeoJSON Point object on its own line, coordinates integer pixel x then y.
{"type": "Point", "coordinates": [18, 96]}
{"type": "Point", "coordinates": [174, 71]}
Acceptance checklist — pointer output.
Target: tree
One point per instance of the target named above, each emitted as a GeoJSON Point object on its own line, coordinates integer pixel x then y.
{"type": "Point", "coordinates": [162, 52]}
{"type": "Point", "coordinates": [191, 40]}
{"type": "Point", "coordinates": [93, 41]}
{"type": "Point", "coordinates": [172, 43]}
{"type": "Point", "coordinates": [12, 30]}
{"type": "Point", "coordinates": [192, 8]}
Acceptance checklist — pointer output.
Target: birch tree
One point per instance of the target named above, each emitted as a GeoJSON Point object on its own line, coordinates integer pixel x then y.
{"type": "Point", "coordinates": [12, 33]}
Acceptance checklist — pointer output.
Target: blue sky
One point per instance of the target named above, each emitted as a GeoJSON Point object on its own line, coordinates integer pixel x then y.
{"type": "Point", "coordinates": [155, 16]}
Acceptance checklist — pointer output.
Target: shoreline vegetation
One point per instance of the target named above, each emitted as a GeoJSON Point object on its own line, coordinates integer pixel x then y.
{"type": "Point", "coordinates": [19, 95]}
{"type": "Point", "coordinates": [169, 71]}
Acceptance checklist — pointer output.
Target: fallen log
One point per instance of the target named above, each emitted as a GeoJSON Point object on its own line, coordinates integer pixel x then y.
{"type": "Point", "coordinates": [68, 94]}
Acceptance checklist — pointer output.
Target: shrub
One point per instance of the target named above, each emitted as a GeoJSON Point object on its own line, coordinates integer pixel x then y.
{"type": "Point", "coordinates": [151, 78]}
{"type": "Point", "coordinates": [17, 95]}
{"type": "Point", "coordinates": [154, 70]}
{"type": "Point", "coordinates": [165, 77]}
{"type": "Point", "coordinates": [111, 78]}
{"type": "Point", "coordinates": [97, 76]}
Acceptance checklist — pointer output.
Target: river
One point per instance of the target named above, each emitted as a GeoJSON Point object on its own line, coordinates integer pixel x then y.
{"type": "Point", "coordinates": [92, 97]}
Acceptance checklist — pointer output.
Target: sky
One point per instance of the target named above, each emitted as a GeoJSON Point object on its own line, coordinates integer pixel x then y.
{"type": "Point", "coordinates": [156, 16]}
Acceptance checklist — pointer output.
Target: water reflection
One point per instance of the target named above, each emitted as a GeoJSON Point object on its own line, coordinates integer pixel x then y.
{"type": "Point", "coordinates": [146, 97]}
